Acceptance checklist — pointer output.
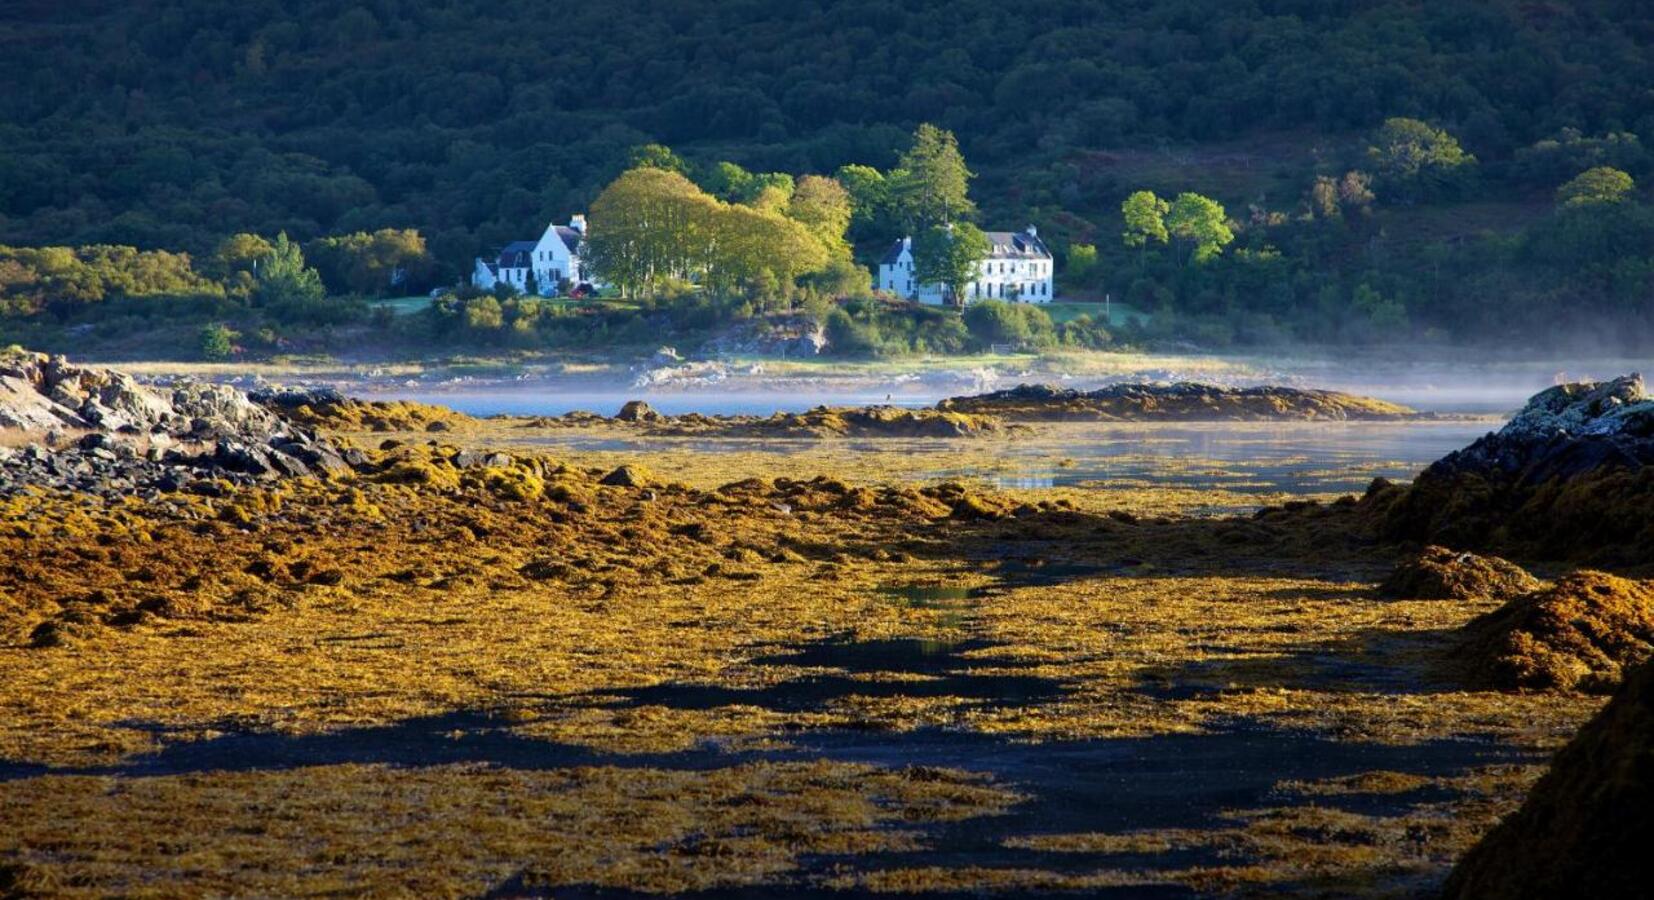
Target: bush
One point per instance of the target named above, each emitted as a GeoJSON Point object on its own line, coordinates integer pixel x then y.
{"type": "Point", "coordinates": [216, 342]}
{"type": "Point", "coordinates": [997, 322]}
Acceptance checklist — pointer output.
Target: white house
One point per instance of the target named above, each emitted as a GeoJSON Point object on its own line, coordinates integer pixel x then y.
{"type": "Point", "coordinates": [554, 259]}
{"type": "Point", "coordinates": [1018, 267]}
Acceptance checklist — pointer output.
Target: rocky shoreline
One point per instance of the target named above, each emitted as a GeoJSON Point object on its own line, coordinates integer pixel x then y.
{"type": "Point", "coordinates": [99, 431]}
{"type": "Point", "coordinates": [1569, 477]}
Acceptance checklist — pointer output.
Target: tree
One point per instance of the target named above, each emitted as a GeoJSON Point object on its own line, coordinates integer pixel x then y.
{"type": "Point", "coordinates": [869, 198]}
{"type": "Point", "coordinates": [1331, 198]}
{"type": "Point", "coordinates": [285, 282]}
{"type": "Point", "coordinates": [1596, 186]}
{"type": "Point", "coordinates": [931, 186]}
{"type": "Point", "coordinates": [1323, 198]}
{"type": "Point", "coordinates": [365, 263]}
{"type": "Point", "coordinates": [1145, 216]}
{"type": "Point", "coordinates": [657, 156]}
{"type": "Point", "coordinates": [1082, 258]}
{"type": "Point", "coordinates": [1200, 224]}
{"type": "Point", "coordinates": [951, 256]}
{"type": "Point", "coordinates": [647, 227]}
{"type": "Point", "coordinates": [240, 253]}
{"type": "Point", "coordinates": [823, 206]}
{"type": "Point", "coordinates": [216, 341]}
{"type": "Point", "coordinates": [750, 247]}
{"type": "Point", "coordinates": [1355, 191]}
{"type": "Point", "coordinates": [1382, 313]}
{"type": "Point", "coordinates": [1418, 159]}
{"type": "Point", "coordinates": [727, 181]}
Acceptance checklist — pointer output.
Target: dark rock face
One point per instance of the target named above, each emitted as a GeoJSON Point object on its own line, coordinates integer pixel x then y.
{"type": "Point", "coordinates": [1563, 432]}
{"type": "Point", "coordinates": [1182, 401]}
{"type": "Point", "coordinates": [1583, 831]}
{"type": "Point", "coordinates": [1568, 478]}
{"type": "Point", "coordinates": [102, 431]}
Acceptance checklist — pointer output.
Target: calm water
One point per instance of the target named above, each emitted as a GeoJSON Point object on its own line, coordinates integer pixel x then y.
{"type": "Point", "coordinates": [1241, 457]}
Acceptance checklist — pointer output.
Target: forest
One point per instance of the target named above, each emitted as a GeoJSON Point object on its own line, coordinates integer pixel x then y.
{"type": "Point", "coordinates": [1386, 169]}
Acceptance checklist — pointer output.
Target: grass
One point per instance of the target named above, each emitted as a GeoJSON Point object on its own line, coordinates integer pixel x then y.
{"type": "Point", "coordinates": [1117, 313]}
{"type": "Point", "coordinates": [403, 306]}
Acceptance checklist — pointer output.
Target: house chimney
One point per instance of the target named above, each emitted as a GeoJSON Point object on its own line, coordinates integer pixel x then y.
{"type": "Point", "coordinates": [907, 243]}
{"type": "Point", "coordinates": [578, 223]}
{"type": "Point", "coordinates": [1032, 231]}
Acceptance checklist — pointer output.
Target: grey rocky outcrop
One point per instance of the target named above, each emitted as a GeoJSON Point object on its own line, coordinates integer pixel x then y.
{"type": "Point", "coordinates": [1565, 431]}
{"type": "Point", "coordinates": [83, 428]}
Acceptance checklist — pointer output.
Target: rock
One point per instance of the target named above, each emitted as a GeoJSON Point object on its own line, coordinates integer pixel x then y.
{"type": "Point", "coordinates": [1577, 636]}
{"type": "Point", "coordinates": [1181, 401]}
{"type": "Point", "coordinates": [1438, 573]}
{"type": "Point", "coordinates": [1569, 477]}
{"type": "Point", "coordinates": [142, 437]}
{"type": "Point", "coordinates": [971, 508]}
{"type": "Point", "coordinates": [1583, 830]}
{"type": "Point", "coordinates": [628, 476]}
{"type": "Point", "coordinates": [1565, 431]}
{"type": "Point", "coordinates": [637, 411]}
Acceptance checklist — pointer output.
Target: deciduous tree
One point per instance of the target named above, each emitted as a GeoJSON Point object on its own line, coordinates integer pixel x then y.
{"type": "Point", "coordinates": [1599, 185]}
{"type": "Point", "coordinates": [1199, 223]}
{"type": "Point", "coordinates": [951, 256]}
{"type": "Point", "coordinates": [1145, 216]}
{"type": "Point", "coordinates": [1418, 159]}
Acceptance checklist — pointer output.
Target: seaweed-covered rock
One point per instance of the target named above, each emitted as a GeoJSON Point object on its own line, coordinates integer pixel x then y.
{"type": "Point", "coordinates": [327, 408]}
{"type": "Point", "coordinates": [637, 411]}
{"type": "Point", "coordinates": [1181, 401]}
{"type": "Point", "coordinates": [628, 476]}
{"type": "Point", "coordinates": [1583, 830]}
{"type": "Point", "coordinates": [1568, 477]}
{"type": "Point", "coordinates": [1438, 573]}
{"type": "Point", "coordinates": [1579, 635]}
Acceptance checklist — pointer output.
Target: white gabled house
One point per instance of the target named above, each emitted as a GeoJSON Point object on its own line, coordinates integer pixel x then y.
{"type": "Point", "coordinates": [1018, 267]}
{"type": "Point", "coordinates": [554, 260]}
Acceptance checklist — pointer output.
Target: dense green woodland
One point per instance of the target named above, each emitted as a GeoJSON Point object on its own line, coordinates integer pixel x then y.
{"type": "Point", "coordinates": [174, 125]}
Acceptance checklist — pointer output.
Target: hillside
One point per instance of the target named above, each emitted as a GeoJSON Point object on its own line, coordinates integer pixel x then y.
{"type": "Point", "coordinates": [171, 124]}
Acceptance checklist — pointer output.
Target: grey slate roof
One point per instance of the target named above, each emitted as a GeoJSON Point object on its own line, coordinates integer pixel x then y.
{"type": "Point", "coordinates": [1002, 245]}
{"type": "Point", "coordinates": [1016, 245]}
{"type": "Point", "coordinates": [517, 255]}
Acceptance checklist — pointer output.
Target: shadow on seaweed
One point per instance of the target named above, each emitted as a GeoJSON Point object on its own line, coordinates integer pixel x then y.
{"type": "Point", "coordinates": [1372, 661]}
{"type": "Point", "coordinates": [943, 668]}
{"type": "Point", "coordinates": [1192, 781]}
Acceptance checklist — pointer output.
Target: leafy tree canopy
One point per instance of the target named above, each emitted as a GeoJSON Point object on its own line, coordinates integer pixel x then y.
{"type": "Point", "coordinates": [1603, 184]}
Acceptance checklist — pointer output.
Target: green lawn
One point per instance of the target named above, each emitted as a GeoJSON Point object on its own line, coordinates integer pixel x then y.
{"type": "Point", "coordinates": [1118, 313]}
{"type": "Point", "coordinates": [403, 306]}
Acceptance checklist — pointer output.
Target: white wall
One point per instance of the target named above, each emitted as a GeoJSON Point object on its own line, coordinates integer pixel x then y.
{"type": "Point", "coordinates": [1030, 279]}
